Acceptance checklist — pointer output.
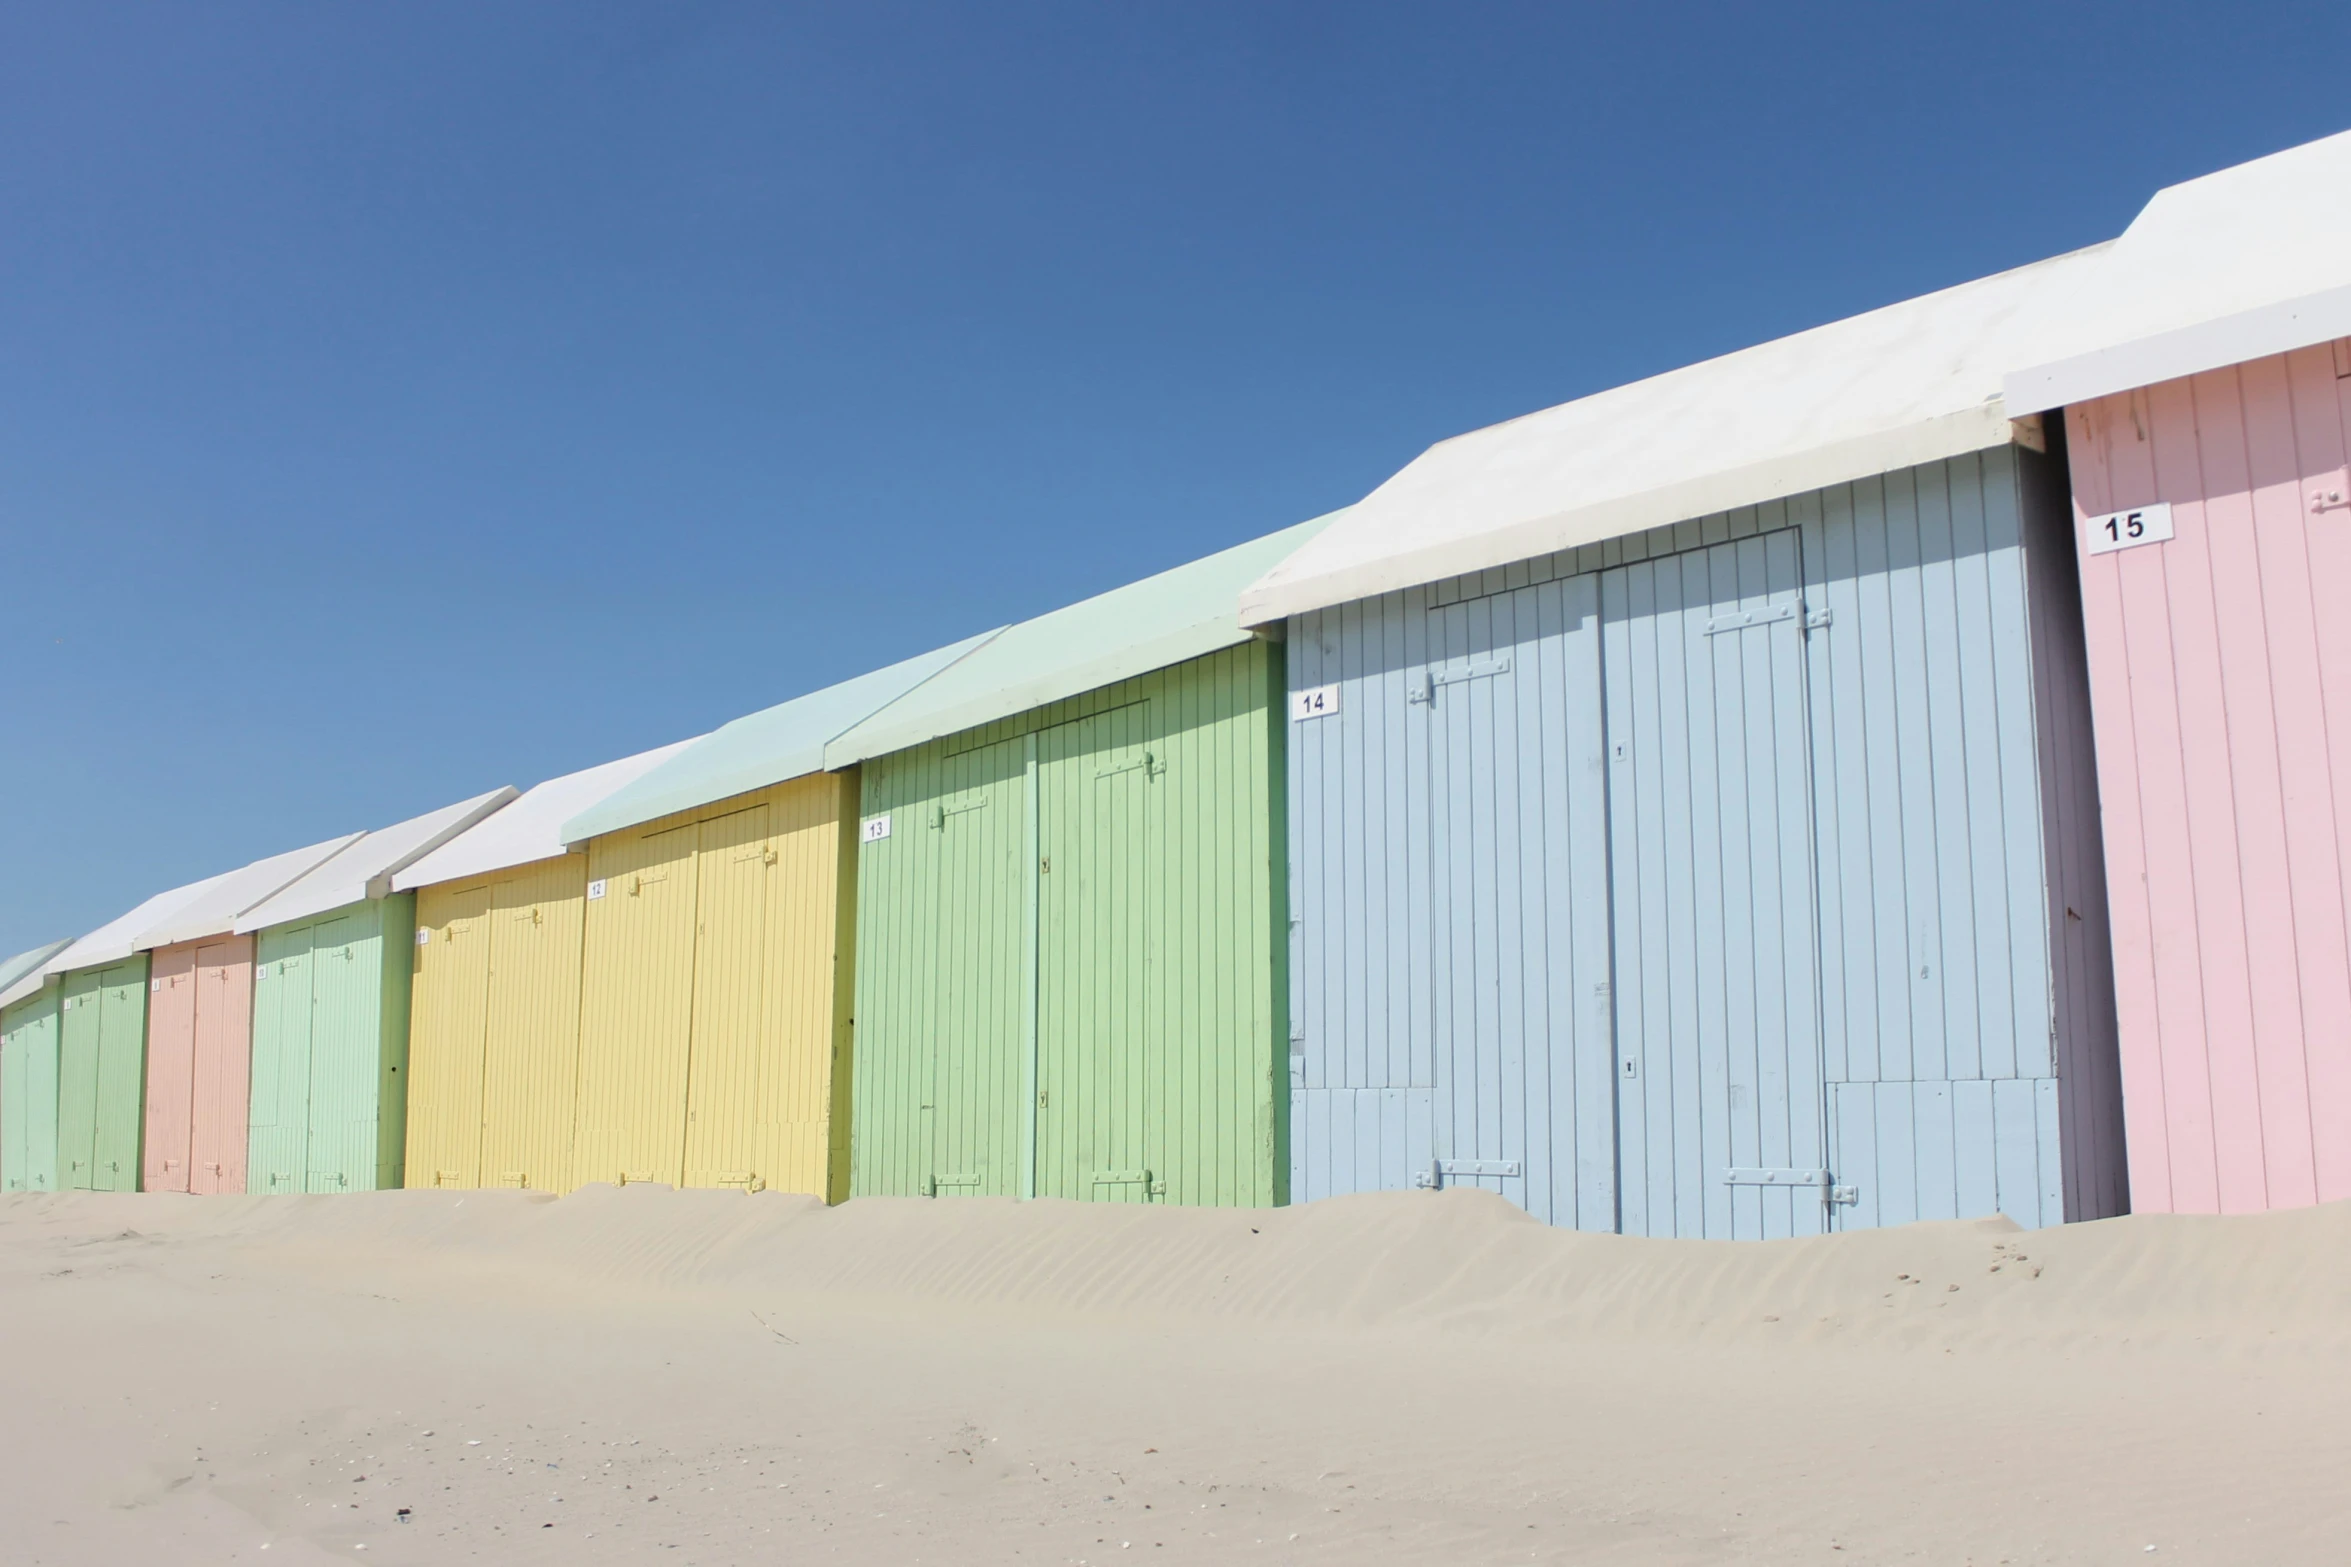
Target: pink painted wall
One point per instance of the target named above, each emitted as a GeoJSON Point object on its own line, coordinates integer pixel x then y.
{"type": "Point", "coordinates": [2220, 681]}
{"type": "Point", "coordinates": [199, 1065]}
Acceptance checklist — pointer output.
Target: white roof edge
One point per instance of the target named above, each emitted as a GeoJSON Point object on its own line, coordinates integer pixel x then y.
{"type": "Point", "coordinates": [2190, 350]}
{"type": "Point", "coordinates": [1272, 599]}
{"type": "Point", "coordinates": [825, 761]}
{"type": "Point", "coordinates": [483, 806]}
{"type": "Point", "coordinates": [880, 735]}
{"type": "Point", "coordinates": [30, 985]}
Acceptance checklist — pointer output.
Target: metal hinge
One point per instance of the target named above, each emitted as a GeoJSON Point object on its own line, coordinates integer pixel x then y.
{"type": "Point", "coordinates": [937, 1183]}
{"type": "Point", "coordinates": [1433, 1178]}
{"type": "Point", "coordinates": [1425, 689]}
{"type": "Point", "coordinates": [1150, 766]}
{"type": "Point", "coordinates": [1792, 609]}
{"type": "Point", "coordinates": [969, 802]}
{"type": "Point", "coordinates": [1740, 1175]}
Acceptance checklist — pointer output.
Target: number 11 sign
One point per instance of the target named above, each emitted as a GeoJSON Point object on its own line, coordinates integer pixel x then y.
{"type": "Point", "coordinates": [2119, 530]}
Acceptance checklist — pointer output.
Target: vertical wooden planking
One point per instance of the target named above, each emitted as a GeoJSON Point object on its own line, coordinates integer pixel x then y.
{"type": "Point", "coordinates": [735, 869]}
{"type": "Point", "coordinates": [171, 1068]}
{"type": "Point", "coordinates": [346, 965]}
{"type": "Point", "coordinates": [2219, 732]}
{"type": "Point", "coordinates": [276, 1149]}
{"type": "Point", "coordinates": [449, 1049]}
{"type": "Point", "coordinates": [942, 915]}
{"type": "Point", "coordinates": [223, 1065]}
{"type": "Point", "coordinates": [121, 995]}
{"type": "Point", "coordinates": [28, 1093]}
{"type": "Point", "coordinates": [637, 1003]}
{"type": "Point", "coordinates": [531, 1024]}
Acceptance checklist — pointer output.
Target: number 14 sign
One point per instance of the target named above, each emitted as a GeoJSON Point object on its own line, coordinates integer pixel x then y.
{"type": "Point", "coordinates": [2119, 530]}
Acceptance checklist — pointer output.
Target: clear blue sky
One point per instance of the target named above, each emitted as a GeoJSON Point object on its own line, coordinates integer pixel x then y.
{"type": "Point", "coordinates": [401, 400]}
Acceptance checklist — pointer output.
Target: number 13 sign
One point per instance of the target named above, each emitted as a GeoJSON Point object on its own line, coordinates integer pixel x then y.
{"type": "Point", "coordinates": [2119, 530]}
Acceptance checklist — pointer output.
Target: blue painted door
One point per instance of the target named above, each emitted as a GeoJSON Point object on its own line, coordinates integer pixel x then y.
{"type": "Point", "coordinates": [1518, 1039]}
{"type": "Point", "coordinates": [1718, 1069]}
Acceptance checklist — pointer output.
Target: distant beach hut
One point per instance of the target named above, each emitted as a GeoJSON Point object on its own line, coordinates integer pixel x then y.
{"type": "Point", "coordinates": [333, 955]}
{"type": "Point", "coordinates": [716, 968]}
{"type": "Point", "coordinates": [1070, 976]}
{"type": "Point", "coordinates": [494, 1025]}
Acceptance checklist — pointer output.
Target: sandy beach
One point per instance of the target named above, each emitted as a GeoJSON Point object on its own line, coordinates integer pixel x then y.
{"type": "Point", "coordinates": [644, 1375]}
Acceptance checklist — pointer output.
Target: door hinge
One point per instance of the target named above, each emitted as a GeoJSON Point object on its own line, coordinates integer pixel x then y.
{"type": "Point", "coordinates": [1433, 1178]}
{"type": "Point", "coordinates": [1747, 1175]}
{"type": "Point", "coordinates": [1792, 609]}
{"type": "Point", "coordinates": [939, 1183]}
{"type": "Point", "coordinates": [1425, 689]}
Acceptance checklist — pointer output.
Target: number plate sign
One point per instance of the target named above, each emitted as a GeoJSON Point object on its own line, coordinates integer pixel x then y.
{"type": "Point", "coordinates": [1315, 702]}
{"type": "Point", "coordinates": [2119, 530]}
{"type": "Point", "coordinates": [876, 828]}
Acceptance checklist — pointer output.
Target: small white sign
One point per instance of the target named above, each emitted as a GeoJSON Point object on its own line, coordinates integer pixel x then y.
{"type": "Point", "coordinates": [261, 971]}
{"type": "Point", "coordinates": [595, 889]}
{"type": "Point", "coordinates": [424, 936]}
{"type": "Point", "coordinates": [155, 987]}
{"type": "Point", "coordinates": [2119, 530]}
{"type": "Point", "coordinates": [1313, 702]}
{"type": "Point", "coordinates": [876, 828]}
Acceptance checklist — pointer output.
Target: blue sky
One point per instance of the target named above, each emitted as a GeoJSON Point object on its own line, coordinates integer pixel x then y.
{"type": "Point", "coordinates": [397, 401]}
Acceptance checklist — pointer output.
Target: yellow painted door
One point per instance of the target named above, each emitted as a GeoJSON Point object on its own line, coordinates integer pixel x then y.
{"type": "Point", "coordinates": [448, 1036]}
{"type": "Point", "coordinates": [807, 996]}
{"type": "Point", "coordinates": [730, 995]}
{"type": "Point", "coordinates": [531, 1077]}
{"type": "Point", "coordinates": [636, 1005]}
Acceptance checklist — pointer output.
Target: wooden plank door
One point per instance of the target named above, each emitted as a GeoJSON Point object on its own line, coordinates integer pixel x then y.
{"type": "Point", "coordinates": [956, 1001]}
{"type": "Point", "coordinates": [1516, 831]}
{"type": "Point", "coordinates": [1719, 1055]}
{"type": "Point", "coordinates": [122, 1076]}
{"type": "Point", "coordinates": [449, 1035]}
{"type": "Point", "coordinates": [345, 1044]}
{"type": "Point", "coordinates": [1099, 1094]}
{"type": "Point", "coordinates": [529, 1085]}
{"type": "Point", "coordinates": [637, 1018]}
{"type": "Point", "coordinates": [28, 1095]}
{"type": "Point", "coordinates": [171, 1069]}
{"type": "Point", "coordinates": [733, 886]}
{"type": "Point", "coordinates": [223, 1065]}
{"type": "Point", "coordinates": [77, 1080]}
{"type": "Point", "coordinates": [277, 1148]}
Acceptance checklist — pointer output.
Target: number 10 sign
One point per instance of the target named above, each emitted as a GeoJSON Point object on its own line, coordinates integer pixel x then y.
{"type": "Point", "coordinates": [2119, 530]}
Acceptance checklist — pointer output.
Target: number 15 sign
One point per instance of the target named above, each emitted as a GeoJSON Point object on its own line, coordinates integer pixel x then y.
{"type": "Point", "coordinates": [2119, 530]}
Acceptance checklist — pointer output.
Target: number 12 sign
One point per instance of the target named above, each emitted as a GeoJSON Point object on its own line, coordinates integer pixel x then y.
{"type": "Point", "coordinates": [2119, 530]}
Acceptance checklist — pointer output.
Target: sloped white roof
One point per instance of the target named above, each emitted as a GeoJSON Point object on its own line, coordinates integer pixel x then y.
{"type": "Point", "coordinates": [532, 827]}
{"type": "Point", "coordinates": [768, 747]}
{"type": "Point", "coordinates": [113, 941]}
{"type": "Point", "coordinates": [2252, 261]}
{"type": "Point", "coordinates": [27, 964]}
{"type": "Point", "coordinates": [213, 911]}
{"type": "Point", "coordinates": [1912, 383]}
{"type": "Point", "coordinates": [365, 867]}
{"type": "Point", "coordinates": [1182, 613]}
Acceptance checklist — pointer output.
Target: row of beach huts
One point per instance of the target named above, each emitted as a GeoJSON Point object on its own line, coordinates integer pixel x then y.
{"type": "Point", "coordinates": [1899, 771]}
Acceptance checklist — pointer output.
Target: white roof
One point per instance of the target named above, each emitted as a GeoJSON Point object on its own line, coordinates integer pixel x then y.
{"type": "Point", "coordinates": [2249, 262]}
{"type": "Point", "coordinates": [1912, 383]}
{"type": "Point", "coordinates": [365, 867]}
{"type": "Point", "coordinates": [27, 965]}
{"type": "Point", "coordinates": [531, 828]}
{"type": "Point", "coordinates": [113, 941]}
{"type": "Point", "coordinates": [213, 911]}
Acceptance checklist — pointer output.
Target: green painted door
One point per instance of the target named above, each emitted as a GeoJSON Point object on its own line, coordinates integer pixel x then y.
{"type": "Point", "coordinates": [947, 1022]}
{"type": "Point", "coordinates": [340, 1150]}
{"type": "Point", "coordinates": [278, 1144]}
{"type": "Point", "coordinates": [1097, 1063]}
{"type": "Point", "coordinates": [122, 1076]}
{"type": "Point", "coordinates": [101, 1060]}
{"type": "Point", "coordinates": [330, 1050]}
{"type": "Point", "coordinates": [1069, 949]}
{"type": "Point", "coordinates": [28, 1094]}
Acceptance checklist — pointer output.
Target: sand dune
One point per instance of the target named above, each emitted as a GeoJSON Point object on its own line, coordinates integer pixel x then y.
{"type": "Point", "coordinates": [702, 1377]}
